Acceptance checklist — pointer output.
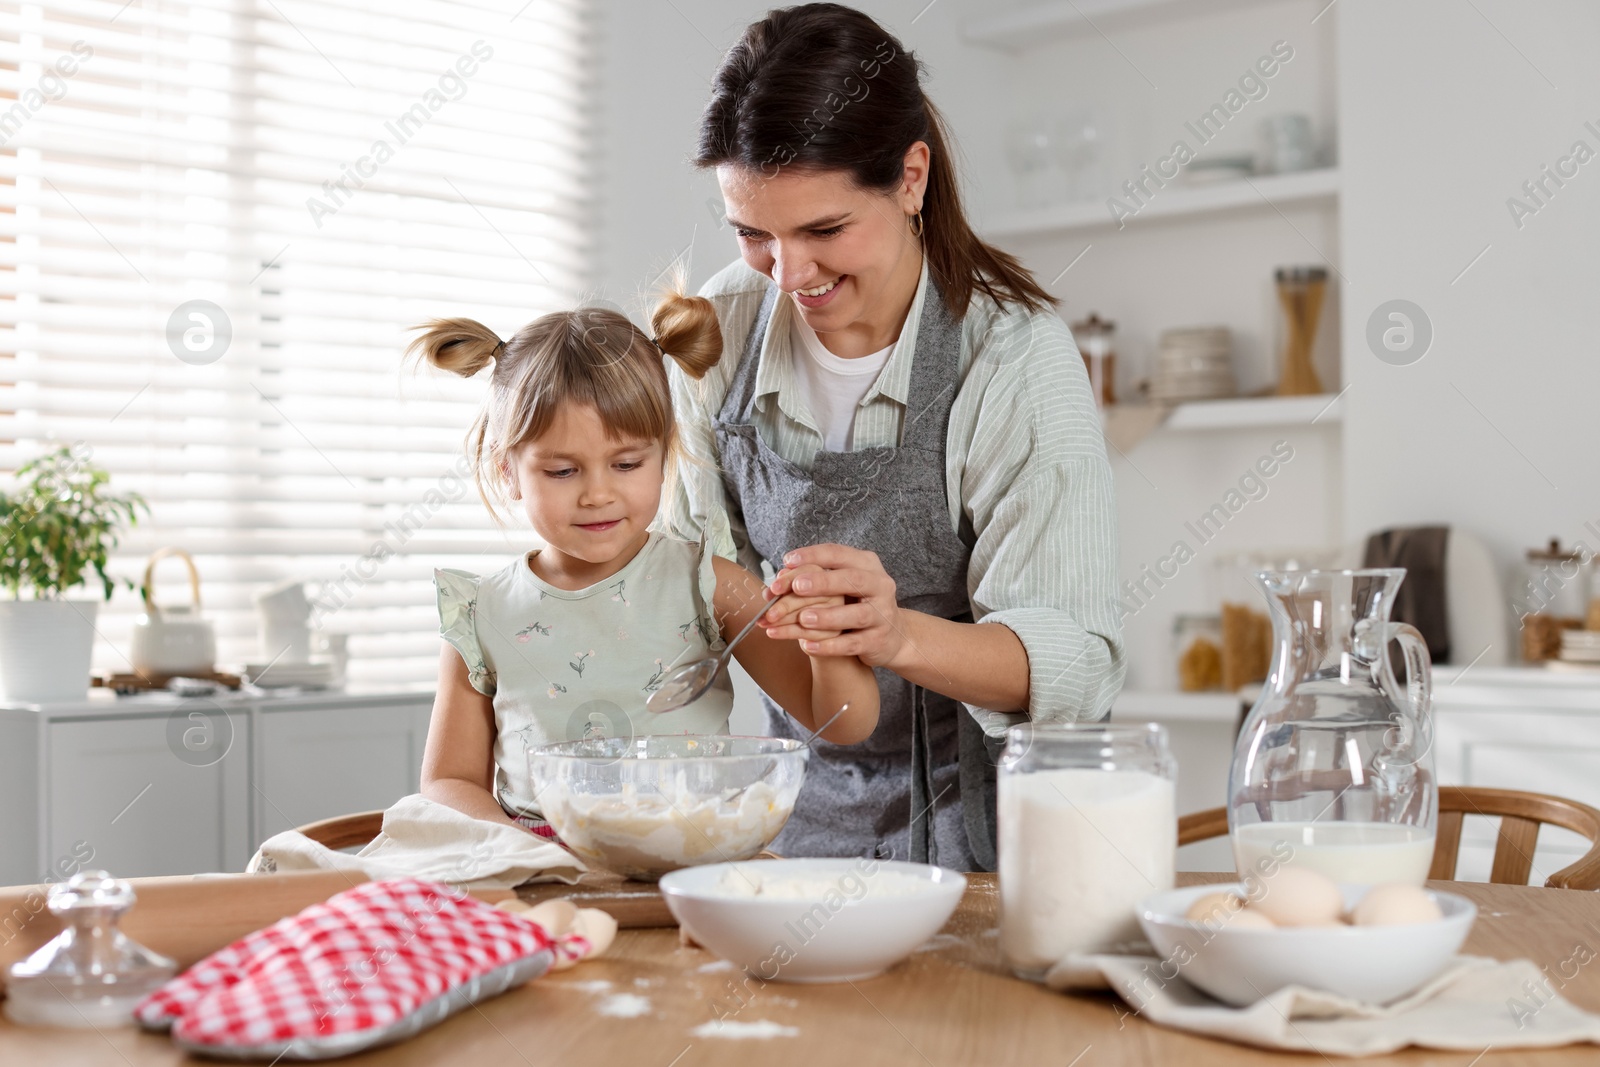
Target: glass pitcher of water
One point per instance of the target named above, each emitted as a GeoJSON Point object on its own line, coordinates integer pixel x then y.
{"type": "Point", "coordinates": [1333, 768]}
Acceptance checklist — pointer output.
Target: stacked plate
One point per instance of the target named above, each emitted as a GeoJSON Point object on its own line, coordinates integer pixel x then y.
{"type": "Point", "coordinates": [1194, 363]}
{"type": "Point", "coordinates": [1581, 646]}
{"type": "Point", "coordinates": [317, 674]}
{"type": "Point", "coordinates": [1220, 169]}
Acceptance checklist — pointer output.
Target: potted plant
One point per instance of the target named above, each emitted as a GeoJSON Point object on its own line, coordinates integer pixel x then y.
{"type": "Point", "coordinates": [58, 525]}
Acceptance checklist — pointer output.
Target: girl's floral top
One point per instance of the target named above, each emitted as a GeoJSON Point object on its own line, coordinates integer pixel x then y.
{"type": "Point", "coordinates": [565, 664]}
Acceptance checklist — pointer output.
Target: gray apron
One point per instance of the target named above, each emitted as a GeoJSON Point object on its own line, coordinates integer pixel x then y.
{"type": "Point", "coordinates": [922, 786]}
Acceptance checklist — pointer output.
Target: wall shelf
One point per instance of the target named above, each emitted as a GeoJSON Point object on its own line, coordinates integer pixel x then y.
{"type": "Point", "coordinates": [1039, 23]}
{"type": "Point", "coordinates": [1127, 424]}
{"type": "Point", "coordinates": [1244, 412]}
{"type": "Point", "coordinates": [1174, 201]}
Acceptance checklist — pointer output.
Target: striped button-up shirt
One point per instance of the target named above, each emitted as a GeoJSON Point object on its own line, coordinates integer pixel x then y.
{"type": "Point", "coordinates": [1025, 464]}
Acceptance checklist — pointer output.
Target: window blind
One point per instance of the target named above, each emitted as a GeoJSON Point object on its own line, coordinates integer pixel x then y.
{"type": "Point", "coordinates": [217, 220]}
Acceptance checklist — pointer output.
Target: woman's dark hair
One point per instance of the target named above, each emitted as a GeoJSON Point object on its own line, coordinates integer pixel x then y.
{"type": "Point", "coordinates": [824, 87]}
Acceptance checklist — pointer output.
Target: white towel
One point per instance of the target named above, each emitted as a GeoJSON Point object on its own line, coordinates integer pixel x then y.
{"type": "Point", "coordinates": [424, 839]}
{"type": "Point", "coordinates": [1476, 1003]}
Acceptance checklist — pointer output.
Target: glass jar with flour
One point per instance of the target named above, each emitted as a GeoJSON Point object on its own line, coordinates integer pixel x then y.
{"type": "Point", "coordinates": [1088, 827]}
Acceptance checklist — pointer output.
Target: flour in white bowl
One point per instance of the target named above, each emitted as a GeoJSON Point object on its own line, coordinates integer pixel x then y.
{"type": "Point", "coordinates": [752, 880]}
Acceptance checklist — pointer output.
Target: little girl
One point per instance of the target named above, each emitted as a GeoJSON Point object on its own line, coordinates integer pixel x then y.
{"type": "Point", "coordinates": [572, 638]}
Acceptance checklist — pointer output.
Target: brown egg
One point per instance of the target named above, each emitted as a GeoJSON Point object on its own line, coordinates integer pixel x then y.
{"type": "Point", "coordinates": [1395, 904]}
{"type": "Point", "coordinates": [1213, 907]}
{"type": "Point", "coordinates": [1250, 919]}
{"type": "Point", "coordinates": [1298, 896]}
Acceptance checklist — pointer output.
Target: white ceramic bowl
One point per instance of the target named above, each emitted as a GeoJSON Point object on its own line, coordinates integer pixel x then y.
{"type": "Point", "coordinates": [847, 918]}
{"type": "Point", "coordinates": [1375, 964]}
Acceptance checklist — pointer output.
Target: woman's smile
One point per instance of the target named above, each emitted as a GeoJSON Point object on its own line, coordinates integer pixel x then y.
{"type": "Point", "coordinates": [821, 295]}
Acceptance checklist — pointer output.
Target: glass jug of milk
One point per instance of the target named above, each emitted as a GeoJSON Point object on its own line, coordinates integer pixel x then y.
{"type": "Point", "coordinates": [1088, 827]}
{"type": "Point", "coordinates": [1333, 769]}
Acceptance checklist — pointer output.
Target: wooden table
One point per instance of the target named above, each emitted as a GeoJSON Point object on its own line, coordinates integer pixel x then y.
{"type": "Point", "coordinates": [950, 1003]}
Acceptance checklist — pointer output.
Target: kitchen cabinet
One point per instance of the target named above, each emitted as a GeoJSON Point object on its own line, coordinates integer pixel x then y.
{"type": "Point", "coordinates": [156, 784]}
{"type": "Point", "coordinates": [115, 790]}
{"type": "Point", "coordinates": [316, 761]}
{"type": "Point", "coordinates": [1518, 728]}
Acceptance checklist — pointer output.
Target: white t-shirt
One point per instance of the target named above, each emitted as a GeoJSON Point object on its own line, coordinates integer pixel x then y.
{"type": "Point", "coordinates": [831, 386]}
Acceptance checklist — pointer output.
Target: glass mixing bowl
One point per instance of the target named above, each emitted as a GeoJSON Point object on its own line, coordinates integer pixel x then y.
{"type": "Point", "coordinates": [643, 806]}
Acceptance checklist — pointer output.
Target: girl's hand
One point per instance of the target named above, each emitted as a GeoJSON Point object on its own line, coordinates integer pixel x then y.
{"type": "Point", "coordinates": [785, 614]}
{"type": "Point", "coordinates": [862, 603]}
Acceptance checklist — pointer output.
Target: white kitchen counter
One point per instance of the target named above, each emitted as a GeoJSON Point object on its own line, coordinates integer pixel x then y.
{"type": "Point", "coordinates": [99, 702]}
{"type": "Point", "coordinates": [154, 783]}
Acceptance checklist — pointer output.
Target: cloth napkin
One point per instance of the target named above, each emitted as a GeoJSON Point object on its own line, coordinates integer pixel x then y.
{"type": "Point", "coordinates": [425, 839]}
{"type": "Point", "coordinates": [1476, 1003]}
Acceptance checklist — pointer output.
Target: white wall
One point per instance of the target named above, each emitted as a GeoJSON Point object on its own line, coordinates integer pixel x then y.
{"type": "Point", "coordinates": [1446, 113]}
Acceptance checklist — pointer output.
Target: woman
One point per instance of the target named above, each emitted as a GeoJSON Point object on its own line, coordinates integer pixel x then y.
{"type": "Point", "coordinates": [896, 403]}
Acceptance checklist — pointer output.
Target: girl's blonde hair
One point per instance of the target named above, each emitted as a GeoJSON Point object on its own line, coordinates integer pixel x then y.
{"type": "Point", "coordinates": [590, 355]}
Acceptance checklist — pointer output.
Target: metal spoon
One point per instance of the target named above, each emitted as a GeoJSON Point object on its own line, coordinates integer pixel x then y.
{"type": "Point", "coordinates": [689, 682]}
{"type": "Point", "coordinates": [806, 747]}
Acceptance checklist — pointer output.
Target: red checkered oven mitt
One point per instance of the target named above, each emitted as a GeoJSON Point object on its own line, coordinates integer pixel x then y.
{"type": "Point", "coordinates": [372, 965]}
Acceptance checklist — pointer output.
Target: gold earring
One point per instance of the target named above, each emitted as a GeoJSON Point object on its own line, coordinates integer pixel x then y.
{"type": "Point", "coordinates": [916, 225]}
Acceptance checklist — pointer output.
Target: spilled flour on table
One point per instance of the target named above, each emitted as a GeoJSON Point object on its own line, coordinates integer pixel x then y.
{"type": "Point", "coordinates": [940, 942]}
{"type": "Point", "coordinates": [595, 985]}
{"type": "Point", "coordinates": [625, 1006]}
{"type": "Point", "coordinates": [713, 968]}
{"type": "Point", "coordinates": [762, 1028]}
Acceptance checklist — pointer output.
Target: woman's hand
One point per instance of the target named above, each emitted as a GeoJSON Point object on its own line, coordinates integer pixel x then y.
{"type": "Point", "coordinates": [868, 617]}
{"type": "Point", "coordinates": [785, 613]}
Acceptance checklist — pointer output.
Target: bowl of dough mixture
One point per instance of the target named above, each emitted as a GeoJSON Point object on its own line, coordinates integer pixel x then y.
{"type": "Point", "coordinates": [643, 806]}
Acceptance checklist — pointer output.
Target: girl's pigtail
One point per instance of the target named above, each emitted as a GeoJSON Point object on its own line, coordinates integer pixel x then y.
{"type": "Point", "coordinates": [460, 346]}
{"type": "Point", "coordinates": [686, 329]}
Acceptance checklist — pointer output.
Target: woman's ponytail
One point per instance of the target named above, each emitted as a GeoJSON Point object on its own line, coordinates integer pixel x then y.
{"type": "Point", "coordinates": [686, 328]}
{"type": "Point", "coordinates": [460, 346]}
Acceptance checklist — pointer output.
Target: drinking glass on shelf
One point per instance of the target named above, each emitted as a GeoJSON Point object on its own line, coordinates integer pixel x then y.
{"type": "Point", "coordinates": [1284, 144]}
{"type": "Point", "coordinates": [1080, 141]}
{"type": "Point", "coordinates": [1031, 151]}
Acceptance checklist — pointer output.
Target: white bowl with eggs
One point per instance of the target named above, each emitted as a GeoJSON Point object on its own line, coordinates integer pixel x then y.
{"type": "Point", "coordinates": [1241, 958]}
{"type": "Point", "coordinates": [813, 920]}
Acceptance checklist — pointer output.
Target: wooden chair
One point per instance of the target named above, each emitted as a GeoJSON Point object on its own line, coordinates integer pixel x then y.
{"type": "Point", "coordinates": [1521, 814]}
{"type": "Point", "coordinates": [344, 831]}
